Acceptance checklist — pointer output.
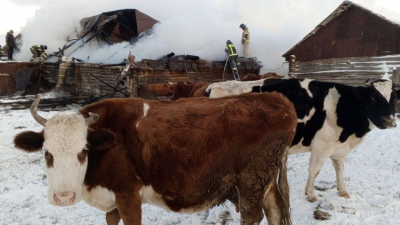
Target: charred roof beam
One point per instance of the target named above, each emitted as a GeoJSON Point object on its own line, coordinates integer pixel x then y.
{"type": "Point", "coordinates": [99, 29]}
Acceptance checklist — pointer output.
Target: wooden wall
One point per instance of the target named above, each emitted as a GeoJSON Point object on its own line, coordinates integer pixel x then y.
{"type": "Point", "coordinates": [21, 73]}
{"type": "Point", "coordinates": [78, 80]}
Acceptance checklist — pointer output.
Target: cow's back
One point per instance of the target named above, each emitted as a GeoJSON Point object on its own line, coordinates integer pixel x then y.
{"type": "Point", "coordinates": [189, 140]}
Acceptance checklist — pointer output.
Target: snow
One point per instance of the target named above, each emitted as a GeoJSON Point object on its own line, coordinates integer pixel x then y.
{"type": "Point", "coordinates": [387, 14]}
{"type": "Point", "coordinates": [8, 61]}
{"type": "Point", "coordinates": [371, 173]}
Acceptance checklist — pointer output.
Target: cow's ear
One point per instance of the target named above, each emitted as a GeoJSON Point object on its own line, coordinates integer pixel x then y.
{"type": "Point", "coordinates": [359, 92]}
{"type": "Point", "coordinates": [101, 139]}
{"type": "Point", "coordinates": [29, 141]}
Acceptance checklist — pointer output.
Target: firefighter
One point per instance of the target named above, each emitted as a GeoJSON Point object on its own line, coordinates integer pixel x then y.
{"type": "Point", "coordinates": [10, 41]}
{"type": "Point", "coordinates": [38, 51]}
{"type": "Point", "coordinates": [245, 39]}
{"type": "Point", "coordinates": [62, 71]}
{"type": "Point", "coordinates": [233, 57]}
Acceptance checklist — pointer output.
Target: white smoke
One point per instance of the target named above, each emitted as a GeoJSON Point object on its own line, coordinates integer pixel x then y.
{"type": "Point", "coordinates": [187, 27]}
{"type": "Point", "coordinates": [2, 40]}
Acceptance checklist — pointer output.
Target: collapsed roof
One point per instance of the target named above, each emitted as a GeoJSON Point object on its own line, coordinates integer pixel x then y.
{"type": "Point", "coordinates": [117, 26]}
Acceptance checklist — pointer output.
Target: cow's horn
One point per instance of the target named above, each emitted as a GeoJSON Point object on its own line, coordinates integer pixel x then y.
{"type": "Point", "coordinates": [42, 121]}
{"type": "Point", "coordinates": [366, 83]}
{"type": "Point", "coordinates": [92, 119]}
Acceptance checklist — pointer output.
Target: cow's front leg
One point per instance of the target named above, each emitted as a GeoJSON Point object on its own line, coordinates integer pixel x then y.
{"type": "Point", "coordinates": [339, 167]}
{"type": "Point", "coordinates": [130, 208]}
{"type": "Point", "coordinates": [317, 160]}
{"type": "Point", "coordinates": [113, 217]}
{"type": "Point", "coordinates": [250, 210]}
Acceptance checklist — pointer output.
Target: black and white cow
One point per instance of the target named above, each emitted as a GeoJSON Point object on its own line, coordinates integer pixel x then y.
{"type": "Point", "coordinates": [332, 118]}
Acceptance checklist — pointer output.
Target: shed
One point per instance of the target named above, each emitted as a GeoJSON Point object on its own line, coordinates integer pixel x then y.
{"type": "Point", "coordinates": [355, 42]}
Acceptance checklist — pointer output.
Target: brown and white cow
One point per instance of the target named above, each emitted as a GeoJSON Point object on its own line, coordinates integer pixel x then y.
{"type": "Point", "coordinates": [252, 76]}
{"type": "Point", "coordinates": [183, 156]}
{"type": "Point", "coordinates": [184, 90]}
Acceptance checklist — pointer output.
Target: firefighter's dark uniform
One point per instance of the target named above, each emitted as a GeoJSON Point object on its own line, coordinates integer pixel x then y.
{"type": "Point", "coordinates": [11, 45]}
{"type": "Point", "coordinates": [37, 51]}
{"type": "Point", "coordinates": [233, 58]}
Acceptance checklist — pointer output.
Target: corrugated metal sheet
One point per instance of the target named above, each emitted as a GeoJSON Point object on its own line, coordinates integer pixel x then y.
{"type": "Point", "coordinates": [352, 71]}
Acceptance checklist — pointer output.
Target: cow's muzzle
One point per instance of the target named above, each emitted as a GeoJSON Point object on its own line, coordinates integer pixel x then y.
{"type": "Point", "coordinates": [64, 199]}
{"type": "Point", "coordinates": [389, 122]}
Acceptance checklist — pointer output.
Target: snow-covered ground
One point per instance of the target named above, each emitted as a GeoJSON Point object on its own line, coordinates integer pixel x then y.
{"type": "Point", "coordinates": [371, 173]}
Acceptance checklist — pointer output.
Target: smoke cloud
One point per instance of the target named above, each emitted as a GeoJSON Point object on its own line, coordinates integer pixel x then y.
{"type": "Point", "coordinates": [187, 27]}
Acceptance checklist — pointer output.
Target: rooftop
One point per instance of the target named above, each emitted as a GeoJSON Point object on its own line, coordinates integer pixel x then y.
{"type": "Point", "coordinates": [384, 13]}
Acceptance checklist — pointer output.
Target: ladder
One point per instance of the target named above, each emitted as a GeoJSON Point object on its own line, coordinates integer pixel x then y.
{"type": "Point", "coordinates": [233, 72]}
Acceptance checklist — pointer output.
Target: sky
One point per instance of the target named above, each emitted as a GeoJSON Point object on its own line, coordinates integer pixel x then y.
{"type": "Point", "coordinates": [187, 26]}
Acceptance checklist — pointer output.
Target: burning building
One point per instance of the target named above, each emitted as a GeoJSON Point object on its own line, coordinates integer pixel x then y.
{"type": "Point", "coordinates": [103, 80]}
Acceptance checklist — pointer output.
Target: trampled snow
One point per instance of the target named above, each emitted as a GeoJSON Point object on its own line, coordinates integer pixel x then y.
{"type": "Point", "coordinates": [371, 173]}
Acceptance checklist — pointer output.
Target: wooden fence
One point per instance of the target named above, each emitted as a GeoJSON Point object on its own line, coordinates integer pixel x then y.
{"type": "Point", "coordinates": [81, 78]}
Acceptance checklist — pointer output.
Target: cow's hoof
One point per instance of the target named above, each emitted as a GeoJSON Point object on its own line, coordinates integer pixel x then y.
{"type": "Point", "coordinates": [345, 195]}
{"type": "Point", "coordinates": [312, 199]}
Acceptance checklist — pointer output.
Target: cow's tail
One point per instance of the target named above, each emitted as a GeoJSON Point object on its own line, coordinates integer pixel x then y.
{"type": "Point", "coordinates": [283, 186]}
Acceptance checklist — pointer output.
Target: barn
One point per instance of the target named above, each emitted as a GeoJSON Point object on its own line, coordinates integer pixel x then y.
{"type": "Point", "coordinates": [355, 42]}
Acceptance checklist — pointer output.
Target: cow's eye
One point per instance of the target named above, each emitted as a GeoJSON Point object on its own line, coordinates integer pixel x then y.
{"type": "Point", "coordinates": [49, 159]}
{"type": "Point", "coordinates": [47, 154]}
{"type": "Point", "coordinates": [82, 155]}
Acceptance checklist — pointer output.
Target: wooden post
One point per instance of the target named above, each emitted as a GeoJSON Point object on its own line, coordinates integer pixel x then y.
{"type": "Point", "coordinates": [292, 65]}
{"type": "Point", "coordinates": [78, 77]}
{"type": "Point", "coordinates": [396, 78]}
{"type": "Point", "coordinates": [135, 84]}
{"type": "Point", "coordinates": [396, 84]}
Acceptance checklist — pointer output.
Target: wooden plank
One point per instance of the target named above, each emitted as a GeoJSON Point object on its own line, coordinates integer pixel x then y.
{"type": "Point", "coordinates": [367, 64]}
{"type": "Point", "coordinates": [391, 64]}
{"type": "Point", "coordinates": [352, 60]}
{"type": "Point", "coordinates": [341, 65]}
{"type": "Point", "coordinates": [341, 81]}
{"type": "Point", "coordinates": [335, 69]}
{"type": "Point", "coordinates": [350, 73]}
{"type": "Point", "coordinates": [363, 78]}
